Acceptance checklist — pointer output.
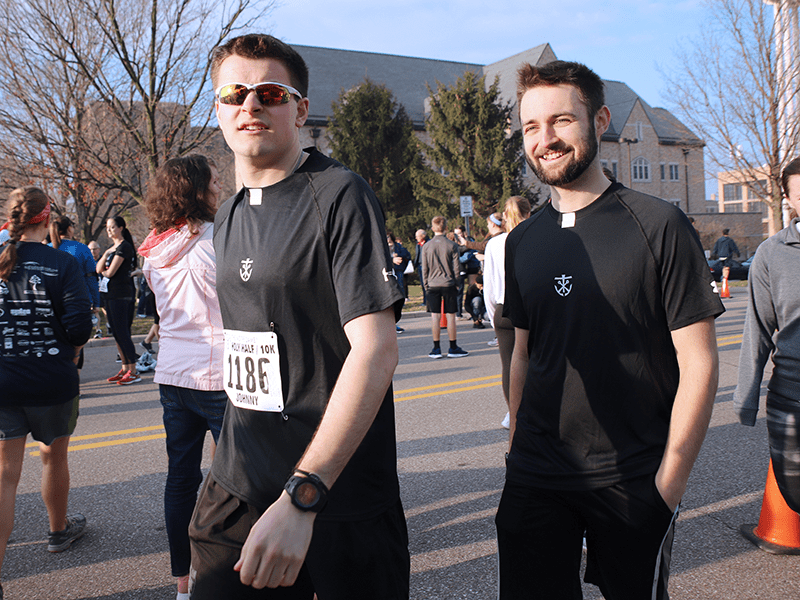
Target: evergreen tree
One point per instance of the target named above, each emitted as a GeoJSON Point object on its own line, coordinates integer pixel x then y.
{"type": "Point", "coordinates": [371, 133]}
{"type": "Point", "coordinates": [473, 148]}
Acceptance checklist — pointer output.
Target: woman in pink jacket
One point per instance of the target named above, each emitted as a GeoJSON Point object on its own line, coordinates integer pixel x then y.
{"type": "Point", "coordinates": [181, 270]}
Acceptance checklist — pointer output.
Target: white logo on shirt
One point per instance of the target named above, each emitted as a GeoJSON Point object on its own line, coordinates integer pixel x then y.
{"type": "Point", "coordinates": [3, 288]}
{"type": "Point", "coordinates": [563, 285]}
{"type": "Point", "coordinates": [246, 269]}
{"type": "Point", "coordinates": [34, 281]}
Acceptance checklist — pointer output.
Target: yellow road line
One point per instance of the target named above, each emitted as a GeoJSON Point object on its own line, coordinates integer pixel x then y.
{"type": "Point", "coordinates": [93, 436]}
{"type": "Point", "coordinates": [144, 438]}
{"type": "Point", "coordinates": [736, 339]}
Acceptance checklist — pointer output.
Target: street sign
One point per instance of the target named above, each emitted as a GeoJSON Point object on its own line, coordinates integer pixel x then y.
{"type": "Point", "coordinates": [466, 206]}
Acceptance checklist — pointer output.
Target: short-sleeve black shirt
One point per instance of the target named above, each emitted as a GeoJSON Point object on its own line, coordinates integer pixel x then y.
{"type": "Point", "coordinates": [311, 257]}
{"type": "Point", "coordinates": [121, 284]}
{"type": "Point", "coordinates": [600, 299]}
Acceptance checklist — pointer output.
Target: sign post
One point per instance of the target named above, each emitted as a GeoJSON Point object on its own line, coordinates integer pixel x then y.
{"type": "Point", "coordinates": [466, 211]}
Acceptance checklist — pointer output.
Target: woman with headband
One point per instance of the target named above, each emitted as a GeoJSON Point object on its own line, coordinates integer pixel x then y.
{"type": "Point", "coordinates": [45, 317]}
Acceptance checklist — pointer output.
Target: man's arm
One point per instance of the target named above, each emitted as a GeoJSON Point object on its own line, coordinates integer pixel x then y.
{"type": "Point", "coordinates": [698, 361]}
{"type": "Point", "coordinates": [277, 544]}
{"type": "Point", "coordinates": [516, 381]}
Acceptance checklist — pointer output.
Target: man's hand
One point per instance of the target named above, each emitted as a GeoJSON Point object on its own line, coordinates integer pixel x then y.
{"type": "Point", "coordinates": [277, 545]}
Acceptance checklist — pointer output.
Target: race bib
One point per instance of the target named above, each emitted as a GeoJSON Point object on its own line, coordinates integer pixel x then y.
{"type": "Point", "coordinates": [252, 370]}
{"type": "Point", "coordinates": [103, 285]}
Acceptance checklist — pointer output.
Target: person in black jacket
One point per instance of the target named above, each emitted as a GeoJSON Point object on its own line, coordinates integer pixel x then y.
{"type": "Point", "coordinates": [45, 319]}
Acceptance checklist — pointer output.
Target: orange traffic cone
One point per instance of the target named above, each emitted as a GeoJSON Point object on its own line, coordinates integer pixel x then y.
{"type": "Point", "coordinates": [443, 320]}
{"type": "Point", "coordinates": [778, 530]}
{"type": "Point", "coordinates": [726, 291]}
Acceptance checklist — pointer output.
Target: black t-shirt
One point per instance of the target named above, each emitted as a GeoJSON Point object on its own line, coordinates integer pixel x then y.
{"type": "Point", "coordinates": [309, 258]}
{"type": "Point", "coordinates": [121, 284]}
{"type": "Point", "coordinates": [600, 299]}
{"type": "Point", "coordinates": [45, 312]}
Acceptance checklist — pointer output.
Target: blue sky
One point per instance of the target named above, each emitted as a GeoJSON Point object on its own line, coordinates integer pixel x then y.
{"type": "Point", "coordinates": [621, 40]}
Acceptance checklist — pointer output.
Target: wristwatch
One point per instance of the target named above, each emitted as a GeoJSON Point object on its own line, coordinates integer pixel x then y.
{"type": "Point", "coordinates": [307, 491]}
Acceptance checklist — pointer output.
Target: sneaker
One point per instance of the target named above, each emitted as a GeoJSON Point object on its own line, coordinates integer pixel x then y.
{"type": "Point", "coordinates": [97, 335]}
{"type": "Point", "coordinates": [506, 422]}
{"type": "Point", "coordinates": [492, 343]}
{"type": "Point", "coordinates": [457, 352]}
{"type": "Point", "coordinates": [118, 359]}
{"type": "Point", "coordinates": [129, 378]}
{"type": "Point", "coordinates": [147, 346]}
{"type": "Point", "coordinates": [435, 353]}
{"type": "Point", "coordinates": [478, 325]}
{"type": "Point", "coordinates": [116, 377]}
{"type": "Point", "coordinates": [399, 329]}
{"type": "Point", "coordinates": [61, 540]}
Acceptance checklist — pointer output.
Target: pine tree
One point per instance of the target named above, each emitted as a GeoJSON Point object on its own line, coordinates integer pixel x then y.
{"type": "Point", "coordinates": [472, 147]}
{"type": "Point", "coordinates": [371, 133]}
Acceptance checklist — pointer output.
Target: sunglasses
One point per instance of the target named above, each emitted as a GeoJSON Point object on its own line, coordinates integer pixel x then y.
{"type": "Point", "coordinates": [269, 93]}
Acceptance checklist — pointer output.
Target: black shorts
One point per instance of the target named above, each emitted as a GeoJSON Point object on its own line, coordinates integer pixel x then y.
{"type": "Point", "coordinates": [628, 528]}
{"type": "Point", "coordinates": [347, 560]}
{"type": "Point", "coordinates": [434, 298]}
{"type": "Point", "coordinates": [44, 423]}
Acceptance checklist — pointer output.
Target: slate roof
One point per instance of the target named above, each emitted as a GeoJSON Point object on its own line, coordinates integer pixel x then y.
{"type": "Point", "coordinates": [332, 70]}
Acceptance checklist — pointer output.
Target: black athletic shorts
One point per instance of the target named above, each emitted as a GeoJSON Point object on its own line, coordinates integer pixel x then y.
{"type": "Point", "coordinates": [434, 298]}
{"type": "Point", "coordinates": [628, 528]}
{"type": "Point", "coordinates": [347, 560]}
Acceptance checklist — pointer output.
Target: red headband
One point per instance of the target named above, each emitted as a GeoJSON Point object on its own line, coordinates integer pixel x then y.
{"type": "Point", "coordinates": [41, 216]}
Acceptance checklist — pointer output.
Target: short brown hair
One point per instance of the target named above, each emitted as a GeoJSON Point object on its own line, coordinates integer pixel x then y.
{"type": "Point", "coordinates": [793, 168]}
{"type": "Point", "coordinates": [589, 85]}
{"type": "Point", "coordinates": [438, 224]}
{"type": "Point", "coordinates": [258, 46]}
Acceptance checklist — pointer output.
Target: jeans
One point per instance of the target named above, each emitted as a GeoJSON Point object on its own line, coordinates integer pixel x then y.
{"type": "Point", "coordinates": [188, 414]}
{"type": "Point", "coordinates": [478, 308]}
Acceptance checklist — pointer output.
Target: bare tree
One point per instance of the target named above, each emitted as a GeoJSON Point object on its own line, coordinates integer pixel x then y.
{"type": "Point", "coordinates": [737, 87]}
{"type": "Point", "coordinates": [99, 92]}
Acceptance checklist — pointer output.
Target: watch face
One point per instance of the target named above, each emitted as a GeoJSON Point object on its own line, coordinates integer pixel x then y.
{"type": "Point", "coordinates": [306, 494]}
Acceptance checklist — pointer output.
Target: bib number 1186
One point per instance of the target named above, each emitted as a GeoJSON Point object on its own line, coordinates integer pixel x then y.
{"type": "Point", "coordinates": [252, 370]}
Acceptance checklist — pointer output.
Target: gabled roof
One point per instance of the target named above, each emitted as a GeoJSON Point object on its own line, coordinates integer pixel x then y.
{"type": "Point", "coordinates": [506, 69]}
{"type": "Point", "coordinates": [332, 70]}
{"type": "Point", "coordinates": [621, 99]}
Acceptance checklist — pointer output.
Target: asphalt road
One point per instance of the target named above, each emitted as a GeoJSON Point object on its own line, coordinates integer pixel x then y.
{"type": "Point", "coordinates": [450, 449]}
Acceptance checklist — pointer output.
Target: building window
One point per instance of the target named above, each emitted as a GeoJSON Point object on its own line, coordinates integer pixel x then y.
{"type": "Point", "coordinates": [640, 169]}
{"type": "Point", "coordinates": [733, 208]}
{"type": "Point", "coordinates": [639, 135]}
{"type": "Point", "coordinates": [674, 172]}
{"type": "Point", "coordinates": [663, 171]}
{"type": "Point", "coordinates": [755, 207]}
{"type": "Point", "coordinates": [757, 189]}
{"type": "Point", "coordinates": [731, 191]}
{"type": "Point", "coordinates": [614, 169]}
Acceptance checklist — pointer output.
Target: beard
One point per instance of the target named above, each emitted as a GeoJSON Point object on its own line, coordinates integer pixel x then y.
{"type": "Point", "coordinates": [582, 156]}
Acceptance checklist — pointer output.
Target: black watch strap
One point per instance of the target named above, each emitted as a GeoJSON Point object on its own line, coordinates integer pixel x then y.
{"type": "Point", "coordinates": [307, 491]}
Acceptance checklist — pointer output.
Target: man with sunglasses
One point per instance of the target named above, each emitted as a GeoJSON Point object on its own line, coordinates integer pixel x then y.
{"type": "Point", "coordinates": [308, 301]}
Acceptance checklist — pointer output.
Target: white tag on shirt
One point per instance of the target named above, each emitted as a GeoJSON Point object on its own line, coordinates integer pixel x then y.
{"type": "Point", "coordinates": [252, 370]}
{"type": "Point", "coordinates": [255, 196]}
{"type": "Point", "coordinates": [567, 220]}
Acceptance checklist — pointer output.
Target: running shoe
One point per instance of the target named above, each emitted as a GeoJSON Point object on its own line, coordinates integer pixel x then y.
{"type": "Point", "coordinates": [399, 329]}
{"type": "Point", "coordinates": [435, 353]}
{"type": "Point", "coordinates": [116, 377]}
{"type": "Point", "coordinates": [61, 540]}
{"type": "Point", "coordinates": [478, 325]}
{"type": "Point", "coordinates": [506, 422]}
{"type": "Point", "coordinates": [147, 346]}
{"type": "Point", "coordinates": [457, 352]}
{"type": "Point", "coordinates": [492, 343]}
{"type": "Point", "coordinates": [129, 378]}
